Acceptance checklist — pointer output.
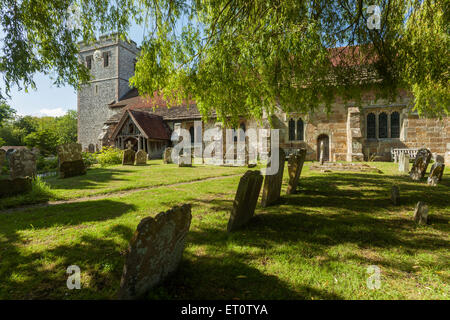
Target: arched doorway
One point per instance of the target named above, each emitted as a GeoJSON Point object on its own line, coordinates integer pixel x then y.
{"type": "Point", "coordinates": [326, 142]}
{"type": "Point", "coordinates": [134, 143]}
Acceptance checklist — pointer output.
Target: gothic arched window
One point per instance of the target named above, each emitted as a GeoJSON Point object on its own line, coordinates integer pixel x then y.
{"type": "Point", "coordinates": [300, 129]}
{"type": "Point", "coordinates": [395, 125]}
{"type": "Point", "coordinates": [291, 130]}
{"type": "Point", "coordinates": [382, 125]}
{"type": "Point", "coordinates": [191, 132]}
{"type": "Point", "coordinates": [371, 126]}
{"type": "Point", "coordinates": [242, 127]}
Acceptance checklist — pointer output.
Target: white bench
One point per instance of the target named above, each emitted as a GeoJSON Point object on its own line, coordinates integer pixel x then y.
{"type": "Point", "coordinates": [395, 153]}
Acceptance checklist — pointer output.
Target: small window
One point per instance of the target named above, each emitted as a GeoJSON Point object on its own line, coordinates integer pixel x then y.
{"type": "Point", "coordinates": [300, 129]}
{"type": "Point", "coordinates": [105, 59]}
{"type": "Point", "coordinates": [191, 132]}
{"type": "Point", "coordinates": [382, 125]}
{"type": "Point", "coordinates": [291, 130]}
{"type": "Point", "coordinates": [96, 89]}
{"type": "Point", "coordinates": [242, 127]}
{"type": "Point", "coordinates": [89, 62]}
{"type": "Point", "coordinates": [371, 126]}
{"type": "Point", "coordinates": [395, 125]}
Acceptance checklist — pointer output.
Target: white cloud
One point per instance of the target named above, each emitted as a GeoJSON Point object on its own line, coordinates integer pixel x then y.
{"type": "Point", "coordinates": [57, 112]}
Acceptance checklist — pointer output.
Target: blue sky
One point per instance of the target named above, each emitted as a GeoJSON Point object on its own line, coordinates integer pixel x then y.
{"type": "Point", "coordinates": [49, 100]}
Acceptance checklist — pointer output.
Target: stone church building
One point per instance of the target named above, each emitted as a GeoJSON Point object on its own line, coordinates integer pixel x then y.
{"type": "Point", "coordinates": [110, 113]}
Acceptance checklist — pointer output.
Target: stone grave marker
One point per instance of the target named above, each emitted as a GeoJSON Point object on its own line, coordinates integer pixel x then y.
{"type": "Point", "coordinates": [272, 183]}
{"type": "Point", "coordinates": [155, 251]}
{"type": "Point", "coordinates": [168, 155]}
{"type": "Point", "coordinates": [421, 213]}
{"type": "Point", "coordinates": [420, 165]}
{"type": "Point", "coordinates": [12, 187]}
{"type": "Point", "coordinates": [436, 172]}
{"type": "Point", "coordinates": [295, 165]}
{"type": "Point", "coordinates": [395, 195]}
{"type": "Point", "coordinates": [245, 200]}
{"type": "Point", "coordinates": [403, 163]}
{"type": "Point", "coordinates": [2, 159]}
{"type": "Point", "coordinates": [128, 155]}
{"type": "Point", "coordinates": [141, 158]}
{"type": "Point", "coordinates": [70, 160]}
{"type": "Point", "coordinates": [22, 163]}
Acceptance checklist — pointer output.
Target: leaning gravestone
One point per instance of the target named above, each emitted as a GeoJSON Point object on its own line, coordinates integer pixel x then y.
{"type": "Point", "coordinates": [245, 200]}
{"type": "Point", "coordinates": [168, 155]}
{"type": "Point", "coordinates": [421, 213]}
{"type": "Point", "coordinates": [128, 156]}
{"type": "Point", "coordinates": [272, 183]}
{"type": "Point", "coordinates": [12, 187]}
{"type": "Point", "coordinates": [70, 160]}
{"type": "Point", "coordinates": [2, 159]}
{"type": "Point", "coordinates": [395, 195]}
{"type": "Point", "coordinates": [403, 163]}
{"type": "Point", "coordinates": [141, 158]}
{"type": "Point", "coordinates": [22, 163]}
{"type": "Point", "coordinates": [420, 165]}
{"type": "Point", "coordinates": [436, 172]}
{"type": "Point", "coordinates": [295, 165]}
{"type": "Point", "coordinates": [155, 251]}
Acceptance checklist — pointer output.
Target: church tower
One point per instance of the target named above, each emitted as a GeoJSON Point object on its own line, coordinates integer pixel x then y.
{"type": "Point", "coordinates": [111, 62]}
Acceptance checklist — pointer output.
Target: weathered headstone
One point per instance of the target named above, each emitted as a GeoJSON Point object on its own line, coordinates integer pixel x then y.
{"type": "Point", "coordinates": [439, 158]}
{"type": "Point", "coordinates": [2, 159]}
{"type": "Point", "coordinates": [436, 172]}
{"type": "Point", "coordinates": [155, 251]}
{"type": "Point", "coordinates": [272, 183]}
{"type": "Point", "coordinates": [12, 187]}
{"type": "Point", "coordinates": [403, 163]}
{"type": "Point", "coordinates": [184, 162]}
{"type": "Point", "coordinates": [168, 155]}
{"type": "Point", "coordinates": [141, 158]}
{"type": "Point", "coordinates": [395, 195]}
{"type": "Point", "coordinates": [22, 163]}
{"type": "Point", "coordinates": [420, 165]}
{"type": "Point", "coordinates": [421, 213]}
{"type": "Point", "coordinates": [245, 200]}
{"type": "Point", "coordinates": [128, 156]}
{"type": "Point", "coordinates": [295, 165]}
{"type": "Point", "coordinates": [70, 160]}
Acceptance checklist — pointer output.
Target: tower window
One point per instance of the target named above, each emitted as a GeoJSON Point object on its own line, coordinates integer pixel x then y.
{"type": "Point", "coordinates": [300, 129]}
{"type": "Point", "coordinates": [371, 126]}
{"type": "Point", "coordinates": [395, 125]}
{"type": "Point", "coordinates": [105, 59]}
{"type": "Point", "coordinates": [89, 62]}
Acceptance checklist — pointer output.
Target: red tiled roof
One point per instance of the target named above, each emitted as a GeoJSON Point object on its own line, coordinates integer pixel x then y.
{"type": "Point", "coordinates": [152, 125]}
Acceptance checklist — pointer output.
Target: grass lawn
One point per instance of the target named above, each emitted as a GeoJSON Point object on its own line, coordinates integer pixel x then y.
{"type": "Point", "coordinates": [316, 244]}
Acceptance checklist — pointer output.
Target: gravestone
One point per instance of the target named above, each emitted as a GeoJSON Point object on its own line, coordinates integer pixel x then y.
{"type": "Point", "coordinates": [436, 172]}
{"type": "Point", "coordinates": [184, 162]}
{"type": "Point", "coordinates": [128, 155]}
{"type": "Point", "coordinates": [421, 213]}
{"type": "Point", "coordinates": [2, 159]}
{"type": "Point", "coordinates": [403, 163]}
{"type": "Point", "coordinates": [155, 251]}
{"type": "Point", "coordinates": [168, 155]}
{"type": "Point", "coordinates": [12, 187]}
{"type": "Point", "coordinates": [141, 158]}
{"type": "Point", "coordinates": [395, 195]}
{"type": "Point", "coordinates": [22, 163]}
{"type": "Point", "coordinates": [272, 183]}
{"type": "Point", "coordinates": [295, 165]}
{"type": "Point", "coordinates": [420, 165]}
{"type": "Point", "coordinates": [70, 160]}
{"type": "Point", "coordinates": [245, 200]}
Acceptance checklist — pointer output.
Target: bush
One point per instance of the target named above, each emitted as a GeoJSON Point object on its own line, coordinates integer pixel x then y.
{"type": "Point", "coordinates": [109, 156]}
{"type": "Point", "coordinates": [89, 159]}
{"type": "Point", "coordinates": [46, 164]}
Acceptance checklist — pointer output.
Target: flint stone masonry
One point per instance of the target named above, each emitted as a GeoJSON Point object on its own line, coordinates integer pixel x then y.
{"type": "Point", "coordinates": [141, 158]}
{"type": "Point", "coordinates": [128, 157]}
{"type": "Point", "coordinates": [2, 159]}
{"type": "Point", "coordinates": [22, 163]}
{"type": "Point", "coordinates": [155, 251]}
{"type": "Point", "coordinates": [168, 155]}
{"type": "Point", "coordinates": [403, 163]}
{"type": "Point", "coordinates": [12, 187]}
{"type": "Point", "coordinates": [272, 183]}
{"type": "Point", "coordinates": [70, 160]}
{"type": "Point", "coordinates": [421, 213]}
{"type": "Point", "coordinates": [295, 165]}
{"type": "Point", "coordinates": [245, 200]}
{"type": "Point", "coordinates": [436, 172]}
{"type": "Point", "coordinates": [395, 194]}
{"type": "Point", "coordinates": [420, 165]}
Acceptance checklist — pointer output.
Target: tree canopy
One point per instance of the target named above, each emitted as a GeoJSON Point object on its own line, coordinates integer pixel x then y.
{"type": "Point", "coordinates": [245, 57]}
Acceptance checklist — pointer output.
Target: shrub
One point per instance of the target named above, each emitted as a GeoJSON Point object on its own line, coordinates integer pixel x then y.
{"type": "Point", "coordinates": [46, 164]}
{"type": "Point", "coordinates": [109, 156]}
{"type": "Point", "coordinates": [89, 159]}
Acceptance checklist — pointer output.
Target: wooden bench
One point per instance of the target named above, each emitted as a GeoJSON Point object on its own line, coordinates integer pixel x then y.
{"type": "Point", "coordinates": [395, 153]}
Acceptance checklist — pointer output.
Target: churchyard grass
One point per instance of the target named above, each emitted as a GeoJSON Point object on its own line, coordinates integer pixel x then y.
{"type": "Point", "coordinates": [316, 244]}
